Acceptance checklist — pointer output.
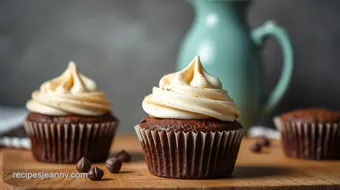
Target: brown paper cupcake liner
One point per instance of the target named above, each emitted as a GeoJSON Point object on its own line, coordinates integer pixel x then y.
{"type": "Point", "coordinates": [308, 140]}
{"type": "Point", "coordinates": [191, 155]}
{"type": "Point", "coordinates": [67, 143]}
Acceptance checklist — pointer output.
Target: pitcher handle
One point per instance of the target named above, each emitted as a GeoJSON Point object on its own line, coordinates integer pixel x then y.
{"type": "Point", "coordinates": [270, 28]}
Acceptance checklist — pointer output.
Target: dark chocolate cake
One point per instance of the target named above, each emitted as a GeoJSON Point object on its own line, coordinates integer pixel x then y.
{"type": "Point", "coordinates": [193, 125]}
{"type": "Point", "coordinates": [312, 133]}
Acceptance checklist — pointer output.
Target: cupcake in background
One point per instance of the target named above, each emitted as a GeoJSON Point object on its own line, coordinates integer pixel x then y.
{"type": "Point", "coordinates": [70, 118]}
{"type": "Point", "coordinates": [312, 133]}
{"type": "Point", "coordinates": [191, 131]}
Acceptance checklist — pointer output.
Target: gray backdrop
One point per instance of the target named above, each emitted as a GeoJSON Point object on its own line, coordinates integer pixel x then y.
{"type": "Point", "coordinates": [127, 45]}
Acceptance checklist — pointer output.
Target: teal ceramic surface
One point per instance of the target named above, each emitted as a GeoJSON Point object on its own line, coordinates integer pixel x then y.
{"type": "Point", "coordinates": [231, 51]}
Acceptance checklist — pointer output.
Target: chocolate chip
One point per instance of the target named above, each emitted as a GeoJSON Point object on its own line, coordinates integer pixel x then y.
{"type": "Point", "coordinates": [256, 147]}
{"type": "Point", "coordinates": [83, 165]}
{"type": "Point", "coordinates": [264, 141]}
{"type": "Point", "coordinates": [123, 156]}
{"type": "Point", "coordinates": [95, 173]}
{"type": "Point", "coordinates": [113, 165]}
{"type": "Point", "coordinates": [143, 121]}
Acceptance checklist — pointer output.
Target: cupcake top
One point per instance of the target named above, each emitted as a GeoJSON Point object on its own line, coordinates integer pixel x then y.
{"type": "Point", "coordinates": [191, 93]}
{"type": "Point", "coordinates": [71, 93]}
{"type": "Point", "coordinates": [311, 115]}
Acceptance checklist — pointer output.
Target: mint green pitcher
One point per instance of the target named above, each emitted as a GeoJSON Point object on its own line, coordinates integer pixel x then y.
{"type": "Point", "coordinates": [230, 51]}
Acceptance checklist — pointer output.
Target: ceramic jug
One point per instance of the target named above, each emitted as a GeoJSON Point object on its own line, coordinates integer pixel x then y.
{"type": "Point", "coordinates": [231, 51]}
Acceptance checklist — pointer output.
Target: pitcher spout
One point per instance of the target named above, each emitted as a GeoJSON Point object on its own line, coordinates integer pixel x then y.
{"type": "Point", "coordinates": [237, 7]}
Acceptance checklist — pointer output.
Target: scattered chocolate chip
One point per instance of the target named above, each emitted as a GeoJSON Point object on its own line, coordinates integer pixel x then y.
{"type": "Point", "coordinates": [264, 141]}
{"type": "Point", "coordinates": [113, 165]}
{"type": "Point", "coordinates": [83, 165]}
{"type": "Point", "coordinates": [123, 156]}
{"type": "Point", "coordinates": [256, 147]}
{"type": "Point", "coordinates": [95, 173]}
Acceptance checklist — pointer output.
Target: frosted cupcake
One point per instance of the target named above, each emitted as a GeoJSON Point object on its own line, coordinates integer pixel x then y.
{"type": "Point", "coordinates": [191, 131]}
{"type": "Point", "coordinates": [70, 118]}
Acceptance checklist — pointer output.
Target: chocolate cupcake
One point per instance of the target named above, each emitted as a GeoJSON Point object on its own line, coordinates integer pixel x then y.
{"type": "Point", "coordinates": [191, 131]}
{"type": "Point", "coordinates": [69, 118]}
{"type": "Point", "coordinates": [312, 133]}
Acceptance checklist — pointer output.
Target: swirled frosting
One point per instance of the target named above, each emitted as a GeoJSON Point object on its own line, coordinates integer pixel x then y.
{"type": "Point", "coordinates": [69, 94]}
{"type": "Point", "coordinates": [191, 93]}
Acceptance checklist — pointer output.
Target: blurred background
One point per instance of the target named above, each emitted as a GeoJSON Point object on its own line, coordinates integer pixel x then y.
{"type": "Point", "coordinates": [127, 45]}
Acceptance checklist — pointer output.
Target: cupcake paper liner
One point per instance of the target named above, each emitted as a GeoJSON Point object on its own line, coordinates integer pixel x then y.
{"type": "Point", "coordinates": [308, 140]}
{"type": "Point", "coordinates": [67, 143]}
{"type": "Point", "coordinates": [191, 155]}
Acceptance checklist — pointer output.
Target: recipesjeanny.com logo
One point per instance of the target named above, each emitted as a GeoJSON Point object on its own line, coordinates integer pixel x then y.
{"type": "Point", "coordinates": [48, 175]}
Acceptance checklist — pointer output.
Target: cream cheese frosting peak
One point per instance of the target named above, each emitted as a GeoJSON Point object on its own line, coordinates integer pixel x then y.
{"type": "Point", "coordinates": [71, 81]}
{"type": "Point", "coordinates": [191, 93]}
{"type": "Point", "coordinates": [71, 93]}
{"type": "Point", "coordinates": [193, 75]}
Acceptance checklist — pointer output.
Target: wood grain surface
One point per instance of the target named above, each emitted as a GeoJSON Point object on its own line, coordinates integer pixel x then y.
{"type": "Point", "coordinates": [267, 170]}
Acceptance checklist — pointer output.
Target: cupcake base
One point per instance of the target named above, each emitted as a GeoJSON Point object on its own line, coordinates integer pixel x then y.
{"type": "Point", "coordinates": [310, 140]}
{"type": "Point", "coordinates": [68, 142]}
{"type": "Point", "coordinates": [190, 155]}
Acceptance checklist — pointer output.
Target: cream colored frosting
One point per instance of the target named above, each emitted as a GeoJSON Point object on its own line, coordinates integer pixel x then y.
{"type": "Point", "coordinates": [191, 93]}
{"type": "Point", "coordinates": [69, 94]}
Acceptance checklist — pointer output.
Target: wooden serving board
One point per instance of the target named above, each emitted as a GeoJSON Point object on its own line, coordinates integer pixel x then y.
{"type": "Point", "coordinates": [267, 170]}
